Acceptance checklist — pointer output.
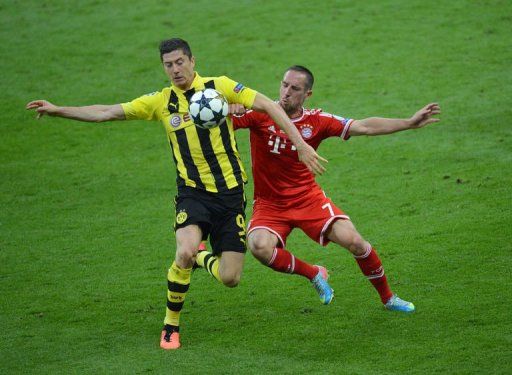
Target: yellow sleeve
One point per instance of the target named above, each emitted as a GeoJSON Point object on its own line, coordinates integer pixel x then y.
{"type": "Point", "coordinates": [146, 107]}
{"type": "Point", "coordinates": [235, 92]}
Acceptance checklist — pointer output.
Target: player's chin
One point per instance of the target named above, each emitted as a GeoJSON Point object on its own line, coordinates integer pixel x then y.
{"type": "Point", "coordinates": [178, 80]}
{"type": "Point", "coordinates": [286, 106]}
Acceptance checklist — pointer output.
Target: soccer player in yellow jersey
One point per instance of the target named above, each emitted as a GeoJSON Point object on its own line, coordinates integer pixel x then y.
{"type": "Point", "coordinates": [210, 176]}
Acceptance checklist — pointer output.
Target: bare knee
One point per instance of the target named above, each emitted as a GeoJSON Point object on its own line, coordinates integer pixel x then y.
{"type": "Point", "coordinates": [231, 279]}
{"type": "Point", "coordinates": [357, 245]}
{"type": "Point", "coordinates": [262, 244]}
{"type": "Point", "coordinates": [231, 267]}
{"type": "Point", "coordinates": [185, 256]}
{"type": "Point", "coordinates": [187, 242]}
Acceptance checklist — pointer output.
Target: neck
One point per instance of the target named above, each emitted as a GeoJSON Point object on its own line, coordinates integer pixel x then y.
{"type": "Point", "coordinates": [293, 114]}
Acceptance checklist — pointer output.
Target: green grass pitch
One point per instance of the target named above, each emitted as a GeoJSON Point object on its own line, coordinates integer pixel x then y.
{"type": "Point", "coordinates": [86, 209]}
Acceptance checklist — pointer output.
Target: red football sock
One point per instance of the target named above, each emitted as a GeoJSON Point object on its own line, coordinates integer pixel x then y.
{"type": "Point", "coordinates": [371, 266]}
{"type": "Point", "coordinates": [284, 261]}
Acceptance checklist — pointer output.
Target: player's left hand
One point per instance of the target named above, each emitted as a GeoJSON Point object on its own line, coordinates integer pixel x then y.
{"type": "Point", "coordinates": [309, 156]}
{"type": "Point", "coordinates": [424, 116]}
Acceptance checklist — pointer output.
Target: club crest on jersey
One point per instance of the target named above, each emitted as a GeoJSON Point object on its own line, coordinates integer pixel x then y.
{"type": "Point", "coordinates": [239, 87]}
{"type": "Point", "coordinates": [306, 131]}
{"type": "Point", "coordinates": [175, 121]}
{"type": "Point", "coordinates": [181, 217]}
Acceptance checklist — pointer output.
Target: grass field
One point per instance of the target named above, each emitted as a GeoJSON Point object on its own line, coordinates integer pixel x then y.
{"type": "Point", "coordinates": [86, 209]}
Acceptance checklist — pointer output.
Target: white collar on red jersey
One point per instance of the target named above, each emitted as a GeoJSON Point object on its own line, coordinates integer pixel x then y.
{"type": "Point", "coordinates": [304, 113]}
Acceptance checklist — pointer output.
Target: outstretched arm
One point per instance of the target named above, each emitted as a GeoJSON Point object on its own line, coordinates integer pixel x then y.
{"type": "Point", "coordinates": [381, 126]}
{"type": "Point", "coordinates": [307, 154]}
{"type": "Point", "coordinates": [91, 113]}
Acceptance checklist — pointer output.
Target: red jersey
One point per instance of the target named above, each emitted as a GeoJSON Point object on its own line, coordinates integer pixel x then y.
{"type": "Point", "coordinates": [277, 171]}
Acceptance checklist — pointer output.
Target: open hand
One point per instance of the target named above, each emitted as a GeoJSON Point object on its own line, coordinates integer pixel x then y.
{"type": "Point", "coordinates": [308, 156]}
{"type": "Point", "coordinates": [42, 107]}
{"type": "Point", "coordinates": [424, 116]}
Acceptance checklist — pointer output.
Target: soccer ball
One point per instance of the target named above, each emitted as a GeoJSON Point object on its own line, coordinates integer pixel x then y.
{"type": "Point", "coordinates": [208, 108]}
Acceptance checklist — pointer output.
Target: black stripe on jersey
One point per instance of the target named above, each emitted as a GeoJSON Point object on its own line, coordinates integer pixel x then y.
{"type": "Point", "coordinates": [192, 171]}
{"type": "Point", "coordinates": [209, 85]}
{"type": "Point", "coordinates": [226, 141]}
{"type": "Point", "coordinates": [178, 288]}
{"type": "Point", "coordinates": [173, 105]}
{"type": "Point", "coordinates": [211, 159]}
{"type": "Point", "coordinates": [227, 144]}
{"type": "Point", "coordinates": [179, 180]}
{"type": "Point", "coordinates": [174, 306]}
{"type": "Point", "coordinates": [188, 94]}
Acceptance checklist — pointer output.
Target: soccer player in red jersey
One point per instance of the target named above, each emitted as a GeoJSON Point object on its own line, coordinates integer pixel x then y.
{"type": "Point", "coordinates": [289, 196]}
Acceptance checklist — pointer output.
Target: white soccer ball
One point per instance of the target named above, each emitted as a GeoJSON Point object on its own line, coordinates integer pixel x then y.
{"type": "Point", "coordinates": [208, 108]}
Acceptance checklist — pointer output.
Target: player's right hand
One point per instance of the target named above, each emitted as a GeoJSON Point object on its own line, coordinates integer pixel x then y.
{"type": "Point", "coordinates": [309, 156]}
{"type": "Point", "coordinates": [42, 107]}
{"type": "Point", "coordinates": [236, 109]}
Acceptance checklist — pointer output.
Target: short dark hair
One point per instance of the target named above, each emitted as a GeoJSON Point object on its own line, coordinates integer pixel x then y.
{"type": "Point", "coordinates": [309, 76]}
{"type": "Point", "coordinates": [174, 44]}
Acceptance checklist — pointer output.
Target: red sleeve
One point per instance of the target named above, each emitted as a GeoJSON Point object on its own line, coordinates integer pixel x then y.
{"type": "Point", "coordinates": [335, 126]}
{"type": "Point", "coordinates": [250, 118]}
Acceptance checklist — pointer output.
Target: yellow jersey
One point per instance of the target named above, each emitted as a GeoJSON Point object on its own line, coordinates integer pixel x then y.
{"type": "Point", "coordinates": [206, 159]}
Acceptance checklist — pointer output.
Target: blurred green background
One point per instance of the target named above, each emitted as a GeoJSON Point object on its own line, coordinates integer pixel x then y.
{"type": "Point", "coordinates": [86, 209]}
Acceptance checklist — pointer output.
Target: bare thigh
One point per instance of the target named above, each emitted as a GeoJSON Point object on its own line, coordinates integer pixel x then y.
{"type": "Point", "coordinates": [345, 234]}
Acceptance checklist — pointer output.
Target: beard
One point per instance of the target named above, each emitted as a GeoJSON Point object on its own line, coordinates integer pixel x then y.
{"type": "Point", "coordinates": [287, 107]}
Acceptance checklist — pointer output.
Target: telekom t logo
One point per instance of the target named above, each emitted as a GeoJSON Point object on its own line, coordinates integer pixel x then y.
{"type": "Point", "coordinates": [278, 143]}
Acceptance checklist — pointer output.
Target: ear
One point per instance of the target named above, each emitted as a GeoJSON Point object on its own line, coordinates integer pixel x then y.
{"type": "Point", "coordinates": [309, 93]}
{"type": "Point", "coordinates": [193, 61]}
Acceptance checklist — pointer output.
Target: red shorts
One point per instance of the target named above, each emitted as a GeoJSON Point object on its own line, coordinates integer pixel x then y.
{"type": "Point", "coordinates": [313, 213]}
